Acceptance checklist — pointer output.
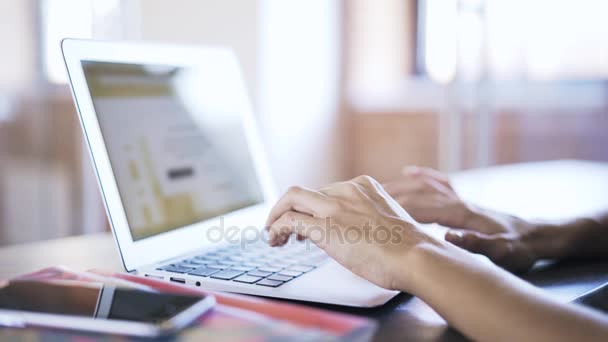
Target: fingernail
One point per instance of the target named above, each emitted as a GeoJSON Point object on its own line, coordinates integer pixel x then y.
{"type": "Point", "coordinates": [454, 236]}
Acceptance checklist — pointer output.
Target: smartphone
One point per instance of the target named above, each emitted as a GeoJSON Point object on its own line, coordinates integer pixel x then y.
{"type": "Point", "coordinates": [98, 308]}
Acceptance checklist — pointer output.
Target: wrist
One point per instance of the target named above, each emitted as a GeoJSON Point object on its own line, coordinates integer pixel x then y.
{"type": "Point", "coordinates": [415, 271]}
{"type": "Point", "coordinates": [561, 240]}
{"type": "Point", "coordinates": [436, 267]}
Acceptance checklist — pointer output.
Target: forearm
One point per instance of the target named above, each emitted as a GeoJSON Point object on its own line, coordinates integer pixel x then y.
{"type": "Point", "coordinates": [578, 238]}
{"type": "Point", "coordinates": [489, 304]}
{"type": "Point", "coordinates": [586, 237]}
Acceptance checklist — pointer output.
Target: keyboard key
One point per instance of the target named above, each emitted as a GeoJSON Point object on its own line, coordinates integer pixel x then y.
{"type": "Point", "coordinates": [226, 274]}
{"type": "Point", "coordinates": [242, 268]}
{"type": "Point", "coordinates": [264, 258]}
{"type": "Point", "coordinates": [238, 258]}
{"type": "Point", "coordinates": [218, 266]}
{"type": "Point", "coordinates": [253, 264]}
{"type": "Point", "coordinates": [207, 257]}
{"type": "Point", "coordinates": [194, 261]}
{"type": "Point", "coordinates": [188, 265]}
{"type": "Point", "coordinates": [228, 262]}
{"type": "Point", "coordinates": [249, 255]}
{"type": "Point", "coordinates": [301, 268]}
{"type": "Point", "coordinates": [176, 269]}
{"type": "Point", "coordinates": [290, 273]}
{"type": "Point", "coordinates": [270, 283]}
{"type": "Point", "coordinates": [269, 269]}
{"type": "Point", "coordinates": [205, 261]}
{"type": "Point", "coordinates": [217, 255]}
{"type": "Point", "coordinates": [204, 271]}
{"type": "Point", "coordinates": [280, 265]}
{"type": "Point", "coordinates": [247, 279]}
{"type": "Point", "coordinates": [258, 273]}
{"type": "Point", "coordinates": [276, 258]}
{"type": "Point", "coordinates": [279, 277]}
{"type": "Point", "coordinates": [298, 261]}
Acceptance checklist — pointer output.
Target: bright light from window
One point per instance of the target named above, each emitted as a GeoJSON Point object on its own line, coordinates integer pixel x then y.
{"type": "Point", "coordinates": [571, 41]}
{"type": "Point", "coordinates": [61, 19]}
{"type": "Point", "coordinates": [440, 39]}
{"type": "Point", "coordinates": [379, 52]}
{"type": "Point", "coordinates": [105, 7]}
{"type": "Point", "coordinates": [536, 40]}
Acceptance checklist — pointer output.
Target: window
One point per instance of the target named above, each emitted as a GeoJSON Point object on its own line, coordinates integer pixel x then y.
{"type": "Point", "coordinates": [391, 41]}
{"type": "Point", "coordinates": [380, 47]}
{"type": "Point", "coordinates": [61, 19]}
{"type": "Point", "coordinates": [541, 40]}
{"type": "Point", "coordinates": [74, 19]}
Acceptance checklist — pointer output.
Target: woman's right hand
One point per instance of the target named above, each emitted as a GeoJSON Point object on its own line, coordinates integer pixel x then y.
{"type": "Point", "coordinates": [360, 226]}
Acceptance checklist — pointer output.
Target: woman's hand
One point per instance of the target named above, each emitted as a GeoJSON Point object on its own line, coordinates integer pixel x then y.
{"type": "Point", "coordinates": [358, 224]}
{"type": "Point", "coordinates": [429, 197]}
{"type": "Point", "coordinates": [363, 228]}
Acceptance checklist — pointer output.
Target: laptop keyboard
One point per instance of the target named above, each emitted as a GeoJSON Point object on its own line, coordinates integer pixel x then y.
{"type": "Point", "coordinates": [257, 264]}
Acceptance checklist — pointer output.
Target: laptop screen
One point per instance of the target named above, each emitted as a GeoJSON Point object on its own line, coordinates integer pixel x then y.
{"type": "Point", "coordinates": [176, 143]}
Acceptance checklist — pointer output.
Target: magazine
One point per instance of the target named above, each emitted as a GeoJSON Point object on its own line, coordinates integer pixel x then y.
{"type": "Point", "coordinates": [234, 318]}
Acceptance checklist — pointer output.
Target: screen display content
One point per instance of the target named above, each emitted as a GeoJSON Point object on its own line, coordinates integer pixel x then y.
{"type": "Point", "coordinates": [176, 144]}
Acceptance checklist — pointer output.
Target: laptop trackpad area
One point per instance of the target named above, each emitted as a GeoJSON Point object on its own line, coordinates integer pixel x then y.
{"type": "Point", "coordinates": [333, 283]}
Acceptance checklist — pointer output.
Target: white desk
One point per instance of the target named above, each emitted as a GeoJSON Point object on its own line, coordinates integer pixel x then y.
{"type": "Point", "coordinates": [548, 190]}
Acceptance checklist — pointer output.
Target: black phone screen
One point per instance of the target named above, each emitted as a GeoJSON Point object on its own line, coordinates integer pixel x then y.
{"type": "Point", "coordinates": [93, 300]}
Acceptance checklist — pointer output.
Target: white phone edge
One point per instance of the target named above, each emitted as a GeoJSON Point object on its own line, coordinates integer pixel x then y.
{"type": "Point", "coordinates": [21, 319]}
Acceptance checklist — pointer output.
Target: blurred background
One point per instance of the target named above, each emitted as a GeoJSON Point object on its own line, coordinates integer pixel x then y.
{"type": "Point", "coordinates": [339, 87]}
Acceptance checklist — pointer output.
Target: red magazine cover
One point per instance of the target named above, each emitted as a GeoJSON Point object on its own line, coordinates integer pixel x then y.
{"type": "Point", "coordinates": [235, 317]}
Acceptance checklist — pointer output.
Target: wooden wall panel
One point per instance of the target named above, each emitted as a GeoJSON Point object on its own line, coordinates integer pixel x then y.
{"type": "Point", "coordinates": [381, 143]}
{"type": "Point", "coordinates": [41, 151]}
{"type": "Point", "coordinates": [556, 135]}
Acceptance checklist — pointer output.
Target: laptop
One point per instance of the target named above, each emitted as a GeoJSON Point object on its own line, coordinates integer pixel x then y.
{"type": "Point", "coordinates": [183, 175]}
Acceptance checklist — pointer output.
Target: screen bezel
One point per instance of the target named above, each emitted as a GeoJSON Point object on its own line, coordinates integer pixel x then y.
{"type": "Point", "coordinates": [168, 245]}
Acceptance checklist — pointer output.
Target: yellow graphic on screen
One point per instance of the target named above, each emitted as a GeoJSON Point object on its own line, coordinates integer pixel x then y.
{"type": "Point", "coordinates": [172, 211]}
{"type": "Point", "coordinates": [163, 212]}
